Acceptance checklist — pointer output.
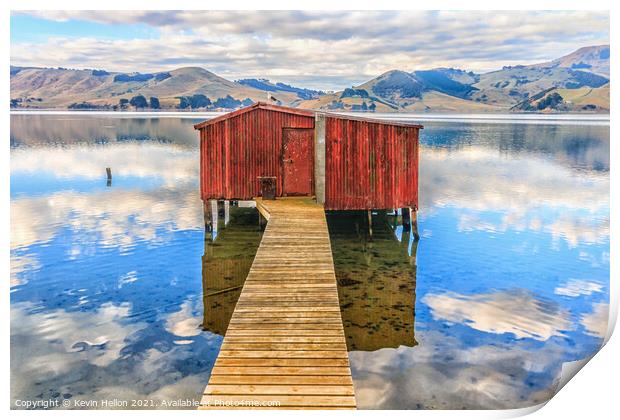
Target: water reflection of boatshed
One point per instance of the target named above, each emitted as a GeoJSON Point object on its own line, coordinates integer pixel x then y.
{"type": "Point", "coordinates": [225, 265]}
{"type": "Point", "coordinates": [376, 281]}
{"type": "Point", "coordinates": [346, 162]}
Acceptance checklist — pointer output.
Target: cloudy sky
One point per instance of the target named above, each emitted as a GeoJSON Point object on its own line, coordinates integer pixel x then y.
{"type": "Point", "coordinates": [327, 50]}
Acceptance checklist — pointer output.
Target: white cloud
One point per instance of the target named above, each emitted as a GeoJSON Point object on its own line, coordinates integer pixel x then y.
{"type": "Point", "coordinates": [128, 278]}
{"type": "Point", "coordinates": [596, 321]}
{"type": "Point", "coordinates": [440, 374]}
{"type": "Point", "coordinates": [483, 179]}
{"type": "Point", "coordinates": [172, 163]}
{"type": "Point", "coordinates": [574, 229]}
{"type": "Point", "coordinates": [117, 217]}
{"type": "Point", "coordinates": [186, 322]}
{"type": "Point", "coordinates": [20, 263]}
{"type": "Point", "coordinates": [522, 187]}
{"type": "Point", "coordinates": [577, 287]}
{"type": "Point", "coordinates": [71, 336]}
{"type": "Point", "coordinates": [517, 312]}
{"type": "Point", "coordinates": [342, 47]}
{"type": "Point", "coordinates": [93, 353]}
{"type": "Point", "coordinates": [581, 230]}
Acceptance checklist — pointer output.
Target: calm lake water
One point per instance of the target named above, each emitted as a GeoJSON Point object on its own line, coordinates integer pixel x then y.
{"type": "Point", "coordinates": [117, 293]}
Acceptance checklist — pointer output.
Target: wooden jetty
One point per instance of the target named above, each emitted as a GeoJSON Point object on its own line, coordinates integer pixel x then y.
{"type": "Point", "coordinates": [285, 346]}
{"type": "Point", "coordinates": [285, 341]}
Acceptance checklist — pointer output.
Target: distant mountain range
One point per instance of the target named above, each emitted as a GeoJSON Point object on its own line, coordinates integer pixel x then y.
{"type": "Point", "coordinates": [577, 82]}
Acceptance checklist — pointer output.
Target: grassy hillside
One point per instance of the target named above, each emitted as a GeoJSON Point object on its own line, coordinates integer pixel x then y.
{"type": "Point", "coordinates": [512, 85]}
{"type": "Point", "coordinates": [584, 99]}
{"type": "Point", "coordinates": [508, 89]}
{"type": "Point", "coordinates": [59, 88]}
{"type": "Point", "coordinates": [593, 59]}
{"type": "Point", "coordinates": [399, 91]}
{"type": "Point", "coordinates": [577, 82]}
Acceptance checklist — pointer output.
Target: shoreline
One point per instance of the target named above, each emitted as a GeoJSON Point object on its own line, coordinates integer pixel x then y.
{"type": "Point", "coordinates": [517, 118]}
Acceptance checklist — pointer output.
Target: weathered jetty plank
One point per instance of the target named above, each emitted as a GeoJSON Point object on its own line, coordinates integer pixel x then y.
{"type": "Point", "coordinates": [285, 345]}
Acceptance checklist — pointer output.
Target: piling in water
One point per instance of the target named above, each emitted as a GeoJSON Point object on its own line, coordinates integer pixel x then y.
{"type": "Point", "coordinates": [414, 223]}
{"type": "Point", "coordinates": [406, 216]}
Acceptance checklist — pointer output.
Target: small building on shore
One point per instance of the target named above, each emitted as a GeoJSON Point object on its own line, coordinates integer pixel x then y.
{"type": "Point", "coordinates": [345, 162]}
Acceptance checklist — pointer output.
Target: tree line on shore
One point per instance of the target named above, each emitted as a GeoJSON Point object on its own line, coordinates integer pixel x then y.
{"type": "Point", "coordinates": [197, 101]}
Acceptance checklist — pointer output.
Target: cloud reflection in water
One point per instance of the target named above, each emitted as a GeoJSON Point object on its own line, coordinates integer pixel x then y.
{"type": "Point", "coordinates": [511, 277]}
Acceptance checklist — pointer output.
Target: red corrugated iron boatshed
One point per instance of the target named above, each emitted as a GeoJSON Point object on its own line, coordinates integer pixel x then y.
{"type": "Point", "coordinates": [350, 163]}
{"type": "Point", "coordinates": [238, 147]}
{"type": "Point", "coordinates": [370, 164]}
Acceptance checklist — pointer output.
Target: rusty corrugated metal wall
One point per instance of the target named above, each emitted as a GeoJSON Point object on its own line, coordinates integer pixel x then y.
{"type": "Point", "coordinates": [370, 164]}
{"type": "Point", "coordinates": [235, 151]}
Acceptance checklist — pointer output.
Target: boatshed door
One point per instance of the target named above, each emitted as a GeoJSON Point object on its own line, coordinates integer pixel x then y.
{"type": "Point", "coordinates": [297, 160]}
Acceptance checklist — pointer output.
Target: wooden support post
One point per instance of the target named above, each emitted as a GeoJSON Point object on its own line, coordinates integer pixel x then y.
{"type": "Point", "coordinates": [319, 157]}
{"type": "Point", "coordinates": [226, 212]}
{"type": "Point", "coordinates": [108, 172]}
{"type": "Point", "coordinates": [413, 256]}
{"type": "Point", "coordinates": [206, 210]}
{"type": "Point", "coordinates": [214, 217]}
{"type": "Point", "coordinates": [394, 220]}
{"type": "Point", "coordinates": [414, 223]}
{"type": "Point", "coordinates": [370, 222]}
{"type": "Point", "coordinates": [404, 240]}
{"type": "Point", "coordinates": [207, 217]}
{"type": "Point", "coordinates": [406, 218]}
{"type": "Point", "coordinates": [411, 236]}
{"type": "Point", "coordinates": [262, 222]}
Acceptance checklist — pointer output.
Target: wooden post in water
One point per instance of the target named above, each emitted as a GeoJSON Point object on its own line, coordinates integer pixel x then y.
{"type": "Point", "coordinates": [406, 217]}
{"type": "Point", "coordinates": [411, 236]}
{"type": "Point", "coordinates": [414, 222]}
{"type": "Point", "coordinates": [226, 212]}
{"type": "Point", "coordinates": [393, 222]}
{"type": "Point", "coordinates": [214, 215]}
{"type": "Point", "coordinates": [404, 240]}
{"type": "Point", "coordinates": [413, 256]}
{"type": "Point", "coordinates": [206, 210]}
{"type": "Point", "coordinates": [370, 222]}
{"type": "Point", "coordinates": [109, 174]}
